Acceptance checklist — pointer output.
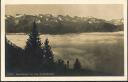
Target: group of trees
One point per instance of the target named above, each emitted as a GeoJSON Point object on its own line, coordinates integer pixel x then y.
{"type": "Point", "coordinates": [60, 24]}
{"type": "Point", "coordinates": [35, 57]}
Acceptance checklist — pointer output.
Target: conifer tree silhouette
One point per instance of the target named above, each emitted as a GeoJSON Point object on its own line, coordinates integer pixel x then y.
{"type": "Point", "coordinates": [34, 40]}
{"type": "Point", "coordinates": [77, 64]}
{"type": "Point", "coordinates": [33, 49]}
{"type": "Point", "coordinates": [49, 57]}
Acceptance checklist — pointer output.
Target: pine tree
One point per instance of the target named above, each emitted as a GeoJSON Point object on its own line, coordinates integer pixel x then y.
{"type": "Point", "coordinates": [33, 49]}
{"type": "Point", "coordinates": [34, 40]}
{"type": "Point", "coordinates": [77, 65]}
{"type": "Point", "coordinates": [49, 57]}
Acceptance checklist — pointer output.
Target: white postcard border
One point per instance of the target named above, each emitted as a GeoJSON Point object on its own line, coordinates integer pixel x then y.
{"type": "Point", "coordinates": [65, 78]}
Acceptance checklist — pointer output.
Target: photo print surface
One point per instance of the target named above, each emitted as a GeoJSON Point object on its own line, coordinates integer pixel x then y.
{"type": "Point", "coordinates": [64, 40]}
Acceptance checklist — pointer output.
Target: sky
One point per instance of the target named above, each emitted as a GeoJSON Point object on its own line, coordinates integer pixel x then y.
{"type": "Point", "coordinates": [103, 11]}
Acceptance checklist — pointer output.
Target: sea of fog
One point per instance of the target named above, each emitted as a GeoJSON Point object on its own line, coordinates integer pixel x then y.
{"type": "Point", "coordinates": [96, 51]}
